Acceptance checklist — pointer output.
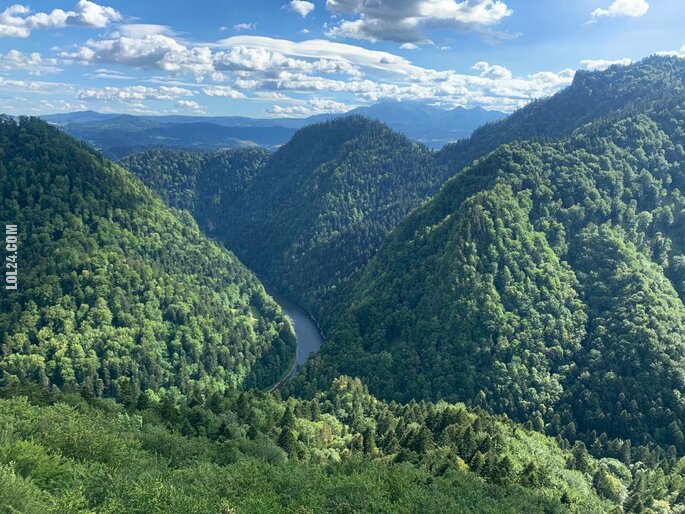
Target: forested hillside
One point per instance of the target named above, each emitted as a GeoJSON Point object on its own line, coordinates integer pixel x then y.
{"type": "Point", "coordinates": [119, 296]}
{"type": "Point", "coordinates": [122, 298]}
{"type": "Point", "coordinates": [204, 183]}
{"type": "Point", "coordinates": [324, 202]}
{"type": "Point", "coordinates": [344, 451]}
{"type": "Point", "coordinates": [545, 281]}
{"type": "Point", "coordinates": [310, 216]}
{"type": "Point", "coordinates": [594, 95]}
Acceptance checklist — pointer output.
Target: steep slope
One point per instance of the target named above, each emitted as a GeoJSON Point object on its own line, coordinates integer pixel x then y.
{"type": "Point", "coordinates": [535, 283]}
{"type": "Point", "coordinates": [118, 295]}
{"type": "Point", "coordinates": [324, 202]}
{"type": "Point", "coordinates": [204, 183]}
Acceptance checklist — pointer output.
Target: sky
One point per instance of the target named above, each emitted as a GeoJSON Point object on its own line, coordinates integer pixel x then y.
{"type": "Point", "coordinates": [296, 58]}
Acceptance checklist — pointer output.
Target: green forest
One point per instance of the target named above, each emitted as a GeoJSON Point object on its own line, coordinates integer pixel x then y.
{"type": "Point", "coordinates": [343, 451]}
{"type": "Point", "coordinates": [309, 217]}
{"type": "Point", "coordinates": [119, 295]}
{"type": "Point", "coordinates": [504, 319]}
{"type": "Point", "coordinates": [544, 282]}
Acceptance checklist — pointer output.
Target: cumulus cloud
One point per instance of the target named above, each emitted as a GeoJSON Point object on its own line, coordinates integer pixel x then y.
{"type": "Point", "coordinates": [603, 64]}
{"type": "Point", "coordinates": [17, 20]}
{"type": "Point", "coordinates": [34, 86]}
{"type": "Point", "coordinates": [59, 106]}
{"type": "Point", "coordinates": [350, 56]}
{"type": "Point", "coordinates": [90, 14]}
{"type": "Point", "coordinates": [133, 94]}
{"type": "Point", "coordinates": [222, 91]}
{"type": "Point", "coordinates": [190, 105]}
{"type": "Point", "coordinates": [309, 108]}
{"type": "Point", "coordinates": [632, 8]}
{"type": "Point", "coordinates": [408, 21]}
{"type": "Point", "coordinates": [153, 51]}
{"type": "Point", "coordinates": [255, 64]}
{"type": "Point", "coordinates": [382, 75]}
{"type": "Point", "coordinates": [32, 63]}
{"type": "Point", "coordinates": [301, 7]}
{"type": "Point", "coordinates": [493, 71]}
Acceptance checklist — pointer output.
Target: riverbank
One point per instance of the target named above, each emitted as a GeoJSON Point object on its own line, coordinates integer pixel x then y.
{"type": "Point", "coordinates": [307, 333]}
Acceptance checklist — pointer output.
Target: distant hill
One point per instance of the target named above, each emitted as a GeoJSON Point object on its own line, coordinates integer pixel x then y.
{"type": "Point", "coordinates": [118, 135]}
{"type": "Point", "coordinates": [204, 183]}
{"type": "Point", "coordinates": [432, 126]}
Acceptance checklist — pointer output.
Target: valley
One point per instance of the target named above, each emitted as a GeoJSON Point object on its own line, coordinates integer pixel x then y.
{"type": "Point", "coordinates": [504, 317]}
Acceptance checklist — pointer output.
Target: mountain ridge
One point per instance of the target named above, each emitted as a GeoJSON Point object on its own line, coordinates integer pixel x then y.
{"type": "Point", "coordinates": [121, 134]}
{"type": "Point", "coordinates": [465, 294]}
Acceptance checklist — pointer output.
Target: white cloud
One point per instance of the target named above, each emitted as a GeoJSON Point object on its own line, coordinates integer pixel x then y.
{"type": "Point", "coordinates": [33, 63]}
{"type": "Point", "coordinates": [35, 86]}
{"type": "Point", "coordinates": [301, 7]}
{"type": "Point", "coordinates": [90, 14]}
{"type": "Point", "coordinates": [256, 59]}
{"type": "Point", "coordinates": [17, 20]}
{"type": "Point", "coordinates": [322, 49]}
{"type": "Point", "coordinates": [632, 8]}
{"type": "Point", "coordinates": [190, 105]}
{"type": "Point", "coordinates": [153, 51]}
{"type": "Point", "coordinates": [244, 26]}
{"type": "Point", "coordinates": [105, 73]}
{"type": "Point", "coordinates": [384, 75]}
{"type": "Point", "coordinates": [133, 94]}
{"type": "Point", "coordinates": [309, 108]}
{"type": "Point", "coordinates": [674, 53]}
{"type": "Point", "coordinates": [493, 71]}
{"type": "Point", "coordinates": [345, 72]}
{"type": "Point", "coordinates": [273, 95]}
{"type": "Point", "coordinates": [603, 64]}
{"type": "Point", "coordinates": [408, 21]}
{"type": "Point", "coordinates": [140, 30]}
{"type": "Point", "coordinates": [409, 46]}
{"type": "Point", "coordinates": [222, 91]}
{"type": "Point", "coordinates": [59, 106]}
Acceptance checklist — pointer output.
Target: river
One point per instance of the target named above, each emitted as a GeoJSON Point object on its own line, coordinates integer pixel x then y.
{"type": "Point", "coordinates": [307, 333]}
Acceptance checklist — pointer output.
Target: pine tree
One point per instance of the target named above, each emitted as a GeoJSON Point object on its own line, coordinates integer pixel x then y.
{"type": "Point", "coordinates": [287, 441]}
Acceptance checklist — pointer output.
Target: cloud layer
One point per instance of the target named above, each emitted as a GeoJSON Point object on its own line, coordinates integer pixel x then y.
{"type": "Point", "coordinates": [243, 66]}
{"type": "Point", "coordinates": [408, 21]}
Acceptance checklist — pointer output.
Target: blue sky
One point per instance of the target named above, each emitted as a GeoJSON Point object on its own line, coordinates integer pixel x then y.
{"type": "Point", "coordinates": [297, 58]}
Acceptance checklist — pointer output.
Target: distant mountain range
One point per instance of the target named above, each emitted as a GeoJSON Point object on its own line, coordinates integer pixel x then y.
{"type": "Point", "coordinates": [118, 135]}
